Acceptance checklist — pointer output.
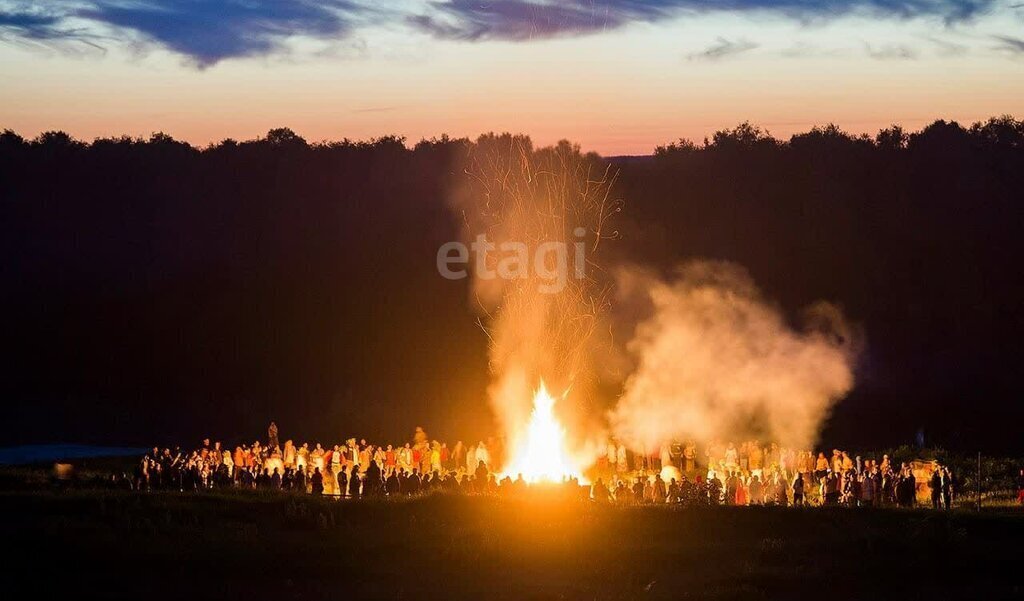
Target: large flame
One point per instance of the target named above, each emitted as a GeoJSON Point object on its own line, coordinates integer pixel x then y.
{"type": "Point", "coordinates": [540, 455]}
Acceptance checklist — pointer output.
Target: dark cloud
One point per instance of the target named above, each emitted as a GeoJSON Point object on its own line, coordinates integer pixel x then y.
{"type": "Point", "coordinates": [722, 48]}
{"type": "Point", "coordinates": [28, 25]}
{"type": "Point", "coordinates": [527, 19]}
{"type": "Point", "coordinates": [207, 31]}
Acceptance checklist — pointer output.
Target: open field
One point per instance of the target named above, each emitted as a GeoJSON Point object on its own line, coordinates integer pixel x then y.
{"type": "Point", "coordinates": [246, 545]}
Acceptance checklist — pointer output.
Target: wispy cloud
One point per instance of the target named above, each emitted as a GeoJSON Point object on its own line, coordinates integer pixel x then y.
{"type": "Point", "coordinates": [948, 48]}
{"type": "Point", "coordinates": [805, 50]}
{"type": "Point", "coordinates": [375, 109]}
{"type": "Point", "coordinates": [527, 19]}
{"type": "Point", "coordinates": [891, 52]}
{"type": "Point", "coordinates": [721, 49]}
{"type": "Point", "coordinates": [517, 19]}
{"type": "Point", "coordinates": [28, 24]}
{"type": "Point", "coordinates": [22, 25]}
{"type": "Point", "coordinates": [1010, 44]}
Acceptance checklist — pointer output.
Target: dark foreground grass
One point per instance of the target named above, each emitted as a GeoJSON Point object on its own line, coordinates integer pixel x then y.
{"type": "Point", "coordinates": [92, 544]}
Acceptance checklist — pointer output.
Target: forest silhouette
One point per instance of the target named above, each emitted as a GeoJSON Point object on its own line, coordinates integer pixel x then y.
{"type": "Point", "coordinates": [153, 291]}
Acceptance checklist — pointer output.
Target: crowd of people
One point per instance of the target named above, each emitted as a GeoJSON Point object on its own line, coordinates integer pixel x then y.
{"type": "Point", "coordinates": [747, 474]}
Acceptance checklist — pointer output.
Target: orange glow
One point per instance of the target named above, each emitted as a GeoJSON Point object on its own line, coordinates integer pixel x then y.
{"type": "Point", "coordinates": [540, 455]}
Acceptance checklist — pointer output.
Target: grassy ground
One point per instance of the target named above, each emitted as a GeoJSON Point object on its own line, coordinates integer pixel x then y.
{"type": "Point", "coordinates": [108, 544]}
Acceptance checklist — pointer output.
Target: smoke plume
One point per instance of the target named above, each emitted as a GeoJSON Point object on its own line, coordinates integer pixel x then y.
{"type": "Point", "coordinates": [710, 357]}
{"type": "Point", "coordinates": [541, 311]}
{"type": "Point", "coordinates": [715, 361]}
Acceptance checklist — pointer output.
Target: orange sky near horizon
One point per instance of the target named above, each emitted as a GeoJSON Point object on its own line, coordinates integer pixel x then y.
{"type": "Point", "coordinates": [623, 92]}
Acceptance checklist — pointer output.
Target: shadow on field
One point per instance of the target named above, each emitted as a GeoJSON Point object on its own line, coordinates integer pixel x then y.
{"type": "Point", "coordinates": [233, 546]}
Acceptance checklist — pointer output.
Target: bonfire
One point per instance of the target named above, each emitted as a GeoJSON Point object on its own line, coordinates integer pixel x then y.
{"type": "Point", "coordinates": [541, 455]}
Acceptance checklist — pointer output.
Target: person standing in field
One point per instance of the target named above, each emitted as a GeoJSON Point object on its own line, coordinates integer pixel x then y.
{"type": "Point", "coordinates": [847, 462]}
{"type": "Point", "coordinates": [756, 490]}
{"type": "Point", "coordinates": [837, 461]}
{"type": "Point", "coordinates": [482, 454]}
{"type": "Point", "coordinates": [779, 489]}
{"type": "Point", "coordinates": [755, 458]}
{"type": "Point", "coordinates": [731, 484]}
{"type": "Point", "coordinates": [390, 461]}
{"type": "Point", "coordinates": [742, 491]}
{"type": "Point", "coordinates": [936, 485]}
{"type": "Point", "coordinates": [272, 436]}
{"type": "Point", "coordinates": [471, 459]}
{"type": "Point", "coordinates": [458, 455]}
{"type": "Point", "coordinates": [302, 458]}
{"type": "Point", "coordinates": [316, 457]}
{"type": "Point", "coordinates": [435, 457]}
{"type": "Point", "coordinates": [638, 490]}
{"type": "Point", "coordinates": [288, 455]}
{"type": "Point", "coordinates": [867, 490]}
{"type": "Point", "coordinates": [798, 490]}
{"type": "Point", "coordinates": [830, 488]}
{"type": "Point", "coordinates": [820, 467]}
{"type": "Point", "coordinates": [336, 468]}
{"type": "Point", "coordinates": [446, 456]}
{"type": "Point", "coordinates": [947, 488]}
{"type": "Point", "coordinates": [690, 459]}
{"type": "Point", "coordinates": [318, 482]}
{"type": "Point", "coordinates": [238, 460]}
{"type": "Point", "coordinates": [365, 456]}
{"type": "Point", "coordinates": [405, 459]}
{"type": "Point", "coordinates": [659, 492]}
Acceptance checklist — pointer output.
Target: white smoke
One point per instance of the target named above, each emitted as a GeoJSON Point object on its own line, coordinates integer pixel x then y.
{"type": "Point", "coordinates": [715, 361]}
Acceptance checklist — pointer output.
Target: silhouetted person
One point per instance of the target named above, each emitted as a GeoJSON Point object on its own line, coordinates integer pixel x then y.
{"type": "Point", "coordinates": [798, 491]}
{"type": "Point", "coordinates": [393, 486]}
{"type": "Point", "coordinates": [318, 482]}
{"type": "Point", "coordinates": [638, 490]}
{"type": "Point", "coordinates": [947, 488]}
{"type": "Point", "coordinates": [342, 483]}
{"type": "Point", "coordinates": [373, 482]}
{"type": "Point", "coordinates": [936, 485]}
{"type": "Point", "coordinates": [354, 485]}
{"type": "Point", "coordinates": [480, 473]}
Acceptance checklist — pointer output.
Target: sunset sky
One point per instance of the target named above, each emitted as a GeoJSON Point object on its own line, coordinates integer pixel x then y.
{"type": "Point", "coordinates": [616, 76]}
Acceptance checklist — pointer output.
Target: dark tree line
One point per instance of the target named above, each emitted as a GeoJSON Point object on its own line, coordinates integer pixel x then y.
{"type": "Point", "coordinates": [153, 291]}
